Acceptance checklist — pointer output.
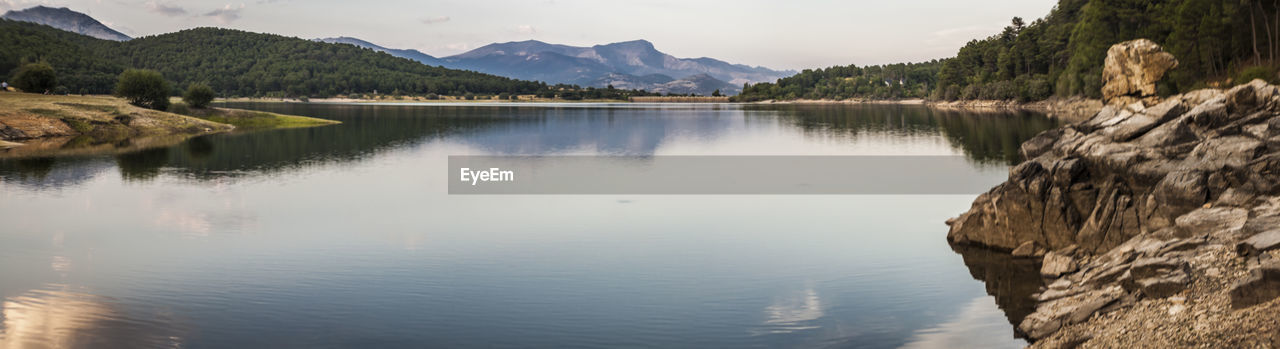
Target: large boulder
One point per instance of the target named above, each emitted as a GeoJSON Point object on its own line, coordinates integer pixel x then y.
{"type": "Point", "coordinates": [1132, 69]}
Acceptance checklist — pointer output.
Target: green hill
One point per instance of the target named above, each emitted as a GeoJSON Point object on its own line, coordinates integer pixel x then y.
{"type": "Point", "coordinates": [1217, 42]}
{"type": "Point", "coordinates": [238, 63]}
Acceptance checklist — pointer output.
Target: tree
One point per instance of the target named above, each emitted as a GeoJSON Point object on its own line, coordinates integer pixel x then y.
{"type": "Point", "coordinates": [198, 95]}
{"type": "Point", "coordinates": [716, 93]}
{"type": "Point", "coordinates": [144, 88]}
{"type": "Point", "coordinates": [35, 78]}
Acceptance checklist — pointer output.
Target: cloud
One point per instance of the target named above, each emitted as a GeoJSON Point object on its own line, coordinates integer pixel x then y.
{"type": "Point", "coordinates": [15, 4]}
{"type": "Point", "coordinates": [226, 14]}
{"type": "Point", "coordinates": [437, 19]}
{"type": "Point", "coordinates": [526, 29]}
{"type": "Point", "coordinates": [167, 10]}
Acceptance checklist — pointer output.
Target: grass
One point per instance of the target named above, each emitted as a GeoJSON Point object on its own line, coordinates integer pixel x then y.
{"type": "Point", "coordinates": [47, 125]}
{"type": "Point", "coordinates": [42, 116]}
{"type": "Point", "coordinates": [248, 120]}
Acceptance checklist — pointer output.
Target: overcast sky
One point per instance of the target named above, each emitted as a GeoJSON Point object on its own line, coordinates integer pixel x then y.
{"type": "Point", "coordinates": [792, 34]}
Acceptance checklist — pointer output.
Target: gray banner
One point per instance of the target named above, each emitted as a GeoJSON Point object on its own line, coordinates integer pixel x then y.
{"type": "Point", "coordinates": [719, 175]}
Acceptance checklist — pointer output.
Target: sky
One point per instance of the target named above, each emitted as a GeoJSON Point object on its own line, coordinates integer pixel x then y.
{"type": "Point", "coordinates": [796, 34]}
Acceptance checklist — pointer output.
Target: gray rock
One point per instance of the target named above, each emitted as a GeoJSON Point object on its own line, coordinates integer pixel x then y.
{"type": "Point", "coordinates": [1139, 123]}
{"type": "Point", "coordinates": [1106, 276]}
{"type": "Point", "coordinates": [1232, 151]}
{"type": "Point", "coordinates": [1050, 316]}
{"type": "Point", "coordinates": [1262, 242]}
{"type": "Point", "coordinates": [1040, 144]}
{"type": "Point", "coordinates": [1053, 294]}
{"type": "Point", "coordinates": [1144, 268]}
{"type": "Point", "coordinates": [1164, 286]}
{"type": "Point", "coordinates": [1056, 265]}
{"type": "Point", "coordinates": [1212, 220]}
{"type": "Point", "coordinates": [1261, 286]}
{"type": "Point", "coordinates": [1182, 245]}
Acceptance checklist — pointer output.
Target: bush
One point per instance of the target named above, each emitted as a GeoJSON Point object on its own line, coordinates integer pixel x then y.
{"type": "Point", "coordinates": [198, 96]}
{"type": "Point", "coordinates": [179, 108]}
{"type": "Point", "coordinates": [35, 78]}
{"type": "Point", "coordinates": [1257, 72]}
{"type": "Point", "coordinates": [61, 91]}
{"type": "Point", "coordinates": [144, 88]}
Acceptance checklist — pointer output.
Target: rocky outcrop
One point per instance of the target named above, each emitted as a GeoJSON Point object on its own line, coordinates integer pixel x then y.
{"type": "Point", "coordinates": [1190, 165]}
{"type": "Point", "coordinates": [1132, 69]}
{"type": "Point", "coordinates": [1149, 201]}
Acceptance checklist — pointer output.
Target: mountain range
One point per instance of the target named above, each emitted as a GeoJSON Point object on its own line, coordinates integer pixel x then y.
{"type": "Point", "coordinates": [68, 20]}
{"type": "Point", "coordinates": [626, 65]}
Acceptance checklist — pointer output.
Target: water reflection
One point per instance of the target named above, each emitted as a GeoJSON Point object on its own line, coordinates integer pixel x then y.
{"type": "Point", "coordinates": [58, 318]}
{"type": "Point", "coordinates": [978, 316]}
{"type": "Point", "coordinates": [369, 130]}
{"type": "Point", "coordinates": [344, 236]}
{"type": "Point", "coordinates": [1012, 281]}
{"type": "Point", "coordinates": [794, 314]}
{"type": "Point", "coordinates": [982, 136]}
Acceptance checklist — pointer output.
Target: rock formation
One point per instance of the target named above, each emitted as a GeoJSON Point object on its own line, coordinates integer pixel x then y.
{"type": "Point", "coordinates": [1148, 201]}
{"type": "Point", "coordinates": [1132, 69]}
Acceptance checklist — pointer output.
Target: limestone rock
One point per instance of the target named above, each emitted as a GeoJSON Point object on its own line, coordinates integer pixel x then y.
{"type": "Point", "coordinates": [1132, 69]}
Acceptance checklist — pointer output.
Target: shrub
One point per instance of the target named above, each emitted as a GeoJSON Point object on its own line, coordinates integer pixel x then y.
{"type": "Point", "coordinates": [144, 88]}
{"type": "Point", "coordinates": [198, 96]}
{"type": "Point", "coordinates": [35, 78]}
{"type": "Point", "coordinates": [61, 91]}
{"type": "Point", "coordinates": [179, 108]}
{"type": "Point", "coordinates": [1256, 72]}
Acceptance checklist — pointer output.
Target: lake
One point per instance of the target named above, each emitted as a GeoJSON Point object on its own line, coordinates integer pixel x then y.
{"type": "Point", "coordinates": [346, 236]}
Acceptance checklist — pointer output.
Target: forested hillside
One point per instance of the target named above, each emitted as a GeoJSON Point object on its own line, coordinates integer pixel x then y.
{"type": "Point", "coordinates": [238, 63]}
{"type": "Point", "coordinates": [1218, 43]}
{"type": "Point", "coordinates": [910, 80]}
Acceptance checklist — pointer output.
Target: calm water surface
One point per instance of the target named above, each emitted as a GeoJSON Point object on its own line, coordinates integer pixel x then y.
{"type": "Point", "coordinates": [344, 236]}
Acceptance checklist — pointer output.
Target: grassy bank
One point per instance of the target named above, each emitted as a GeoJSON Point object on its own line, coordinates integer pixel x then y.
{"type": "Point", "coordinates": [31, 116]}
{"type": "Point", "coordinates": [250, 120]}
{"type": "Point", "coordinates": [48, 125]}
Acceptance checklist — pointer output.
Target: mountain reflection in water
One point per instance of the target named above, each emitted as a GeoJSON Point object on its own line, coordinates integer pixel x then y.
{"type": "Point", "coordinates": [368, 130]}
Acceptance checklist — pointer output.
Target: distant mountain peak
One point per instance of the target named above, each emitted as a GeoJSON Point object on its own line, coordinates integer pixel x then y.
{"type": "Point", "coordinates": [632, 43]}
{"type": "Point", "coordinates": [66, 19]}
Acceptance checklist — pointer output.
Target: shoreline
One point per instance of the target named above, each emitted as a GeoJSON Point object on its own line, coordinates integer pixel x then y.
{"type": "Point", "coordinates": [44, 125]}
{"type": "Point", "coordinates": [1073, 109]}
{"type": "Point", "coordinates": [407, 100]}
{"type": "Point", "coordinates": [1154, 223]}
